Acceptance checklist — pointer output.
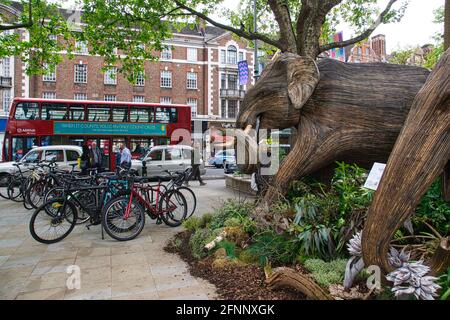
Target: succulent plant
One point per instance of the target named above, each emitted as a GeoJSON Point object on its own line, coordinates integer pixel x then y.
{"type": "Point", "coordinates": [397, 259]}
{"type": "Point", "coordinates": [354, 246]}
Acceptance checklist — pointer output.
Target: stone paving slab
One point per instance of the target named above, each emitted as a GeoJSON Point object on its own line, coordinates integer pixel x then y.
{"type": "Point", "coordinates": [137, 269]}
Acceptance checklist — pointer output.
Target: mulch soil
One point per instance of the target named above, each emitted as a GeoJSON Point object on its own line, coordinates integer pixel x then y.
{"type": "Point", "coordinates": [232, 282]}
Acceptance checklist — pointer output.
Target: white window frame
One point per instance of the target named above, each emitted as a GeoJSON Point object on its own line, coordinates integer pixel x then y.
{"type": "Point", "coordinates": [193, 103]}
{"type": "Point", "coordinates": [166, 54]}
{"type": "Point", "coordinates": [223, 56]}
{"type": "Point", "coordinates": [110, 97]}
{"type": "Point", "coordinates": [192, 54]}
{"type": "Point", "coordinates": [140, 80]}
{"type": "Point", "coordinates": [48, 95]}
{"type": "Point", "coordinates": [241, 56]}
{"type": "Point", "coordinates": [139, 99]}
{"type": "Point", "coordinates": [111, 76]}
{"type": "Point", "coordinates": [81, 47]}
{"type": "Point", "coordinates": [79, 96]}
{"type": "Point", "coordinates": [191, 80]}
{"type": "Point", "coordinates": [229, 60]}
{"type": "Point", "coordinates": [166, 79]}
{"type": "Point", "coordinates": [78, 76]}
{"type": "Point", "coordinates": [49, 76]}
{"type": "Point", "coordinates": [165, 100]}
{"type": "Point", "coordinates": [6, 95]}
{"type": "Point", "coordinates": [6, 67]}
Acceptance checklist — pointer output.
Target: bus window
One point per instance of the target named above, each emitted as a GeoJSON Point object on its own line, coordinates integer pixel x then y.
{"type": "Point", "coordinates": [54, 111]}
{"type": "Point", "coordinates": [162, 115]}
{"type": "Point", "coordinates": [76, 113]}
{"type": "Point", "coordinates": [21, 145]}
{"type": "Point", "coordinates": [27, 111]}
{"type": "Point", "coordinates": [120, 114]}
{"type": "Point", "coordinates": [139, 115]}
{"type": "Point", "coordinates": [173, 115]}
{"type": "Point", "coordinates": [98, 113]}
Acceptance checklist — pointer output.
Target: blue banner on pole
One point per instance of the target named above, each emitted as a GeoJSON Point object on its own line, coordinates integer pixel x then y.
{"type": "Point", "coordinates": [243, 72]}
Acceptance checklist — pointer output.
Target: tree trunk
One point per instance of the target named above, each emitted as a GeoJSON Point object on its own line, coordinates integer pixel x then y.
{"type": "Point", "coordinates": [419, 156]}
{"type": "Point", "coordinates": [447, 25]}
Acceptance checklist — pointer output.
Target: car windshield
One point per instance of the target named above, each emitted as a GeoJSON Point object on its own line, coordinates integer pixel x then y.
{"type": "Point", "coordinates": [32, 156]}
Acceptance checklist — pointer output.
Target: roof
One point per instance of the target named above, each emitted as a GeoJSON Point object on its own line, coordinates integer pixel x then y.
{"type": "Point", "coordinates": [68, 147]}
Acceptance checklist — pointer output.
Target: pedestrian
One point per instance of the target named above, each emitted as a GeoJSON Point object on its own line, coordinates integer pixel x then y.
{"type": "Point", "coordinates": [84, 159]}
{"type": "Point", "coordinates": [125, 157]}
{"type": "Point", "coordinates": [195, 164]}
{"type": "Point", "coordinates": [95, 156]}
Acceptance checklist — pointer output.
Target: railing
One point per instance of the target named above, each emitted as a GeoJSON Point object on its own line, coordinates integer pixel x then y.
{"type": "Point", "coordinates": [232, 93]}
{"type": "Point", "coordinates": [5, 82]}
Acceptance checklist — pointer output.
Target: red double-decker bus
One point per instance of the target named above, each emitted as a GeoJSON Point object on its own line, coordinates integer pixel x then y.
{"type": "Point", "coordinates": [42, 122]}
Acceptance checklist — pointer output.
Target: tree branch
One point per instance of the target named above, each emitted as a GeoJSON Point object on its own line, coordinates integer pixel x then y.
{"type": "Point", "coordinates": [21, 25]}
{"type": "Point", "coordinates": [242, 33]}
{"type": "Point", "coordinates": [363, 35]}
{"type": "Point", "coordinates": [283, 17]}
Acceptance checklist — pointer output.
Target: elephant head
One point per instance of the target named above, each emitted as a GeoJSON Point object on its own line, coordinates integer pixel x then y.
{"type": "Point", "coordinates": [277, 98]}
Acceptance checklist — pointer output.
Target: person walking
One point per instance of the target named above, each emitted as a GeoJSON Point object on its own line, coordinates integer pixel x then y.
{"type": "Point", "coordinates": [95, 156]}
{"type": "Point", "coordinates": [125, 157]}
{"type": "Point", "coordinates": [195, 164]}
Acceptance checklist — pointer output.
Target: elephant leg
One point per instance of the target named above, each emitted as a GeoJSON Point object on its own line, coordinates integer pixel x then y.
{"type": "Point", "coordinates": [418, 158]}
{"type": "Point", "coordinates": [308, 154]}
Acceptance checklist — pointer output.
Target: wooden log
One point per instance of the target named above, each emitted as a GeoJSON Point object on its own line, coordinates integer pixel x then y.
{"type": "Point", "coordinates": [419, 156]}
{"type": "Point", "coordinates": [288, 278]}
{"type": "Point", "coordinates": [441, 258]}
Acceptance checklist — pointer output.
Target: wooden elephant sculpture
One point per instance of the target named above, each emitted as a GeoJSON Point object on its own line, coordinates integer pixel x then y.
{"type": "Point", "coordinates": [342, 112]}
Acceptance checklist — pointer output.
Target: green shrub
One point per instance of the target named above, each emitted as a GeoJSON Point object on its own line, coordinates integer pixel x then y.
{"type": "Point", "coordinates": [279, 249]}
{"type": "Point", "coordinates": [444, 282]}
{"type": "Point", "coordinates": [230, 209]}
{"type": "Point", "coordinates": [326, 273]}
{"type": "Point", "coordinates": [247, 256]}
{"type": "Point", "coordinates": [192, 223]}
{"type": "Point", "coordinates": [205, 220]}
{"type": "Point", "coordinates": [230, 248]}
{"type": "Point", "coordinates": [198, 241]}
{"type": "Point", "coordinates": [232, 222]}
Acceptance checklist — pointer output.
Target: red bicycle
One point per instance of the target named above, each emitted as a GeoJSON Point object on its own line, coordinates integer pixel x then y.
{"type": "Point", "coordinates": [169, 206]}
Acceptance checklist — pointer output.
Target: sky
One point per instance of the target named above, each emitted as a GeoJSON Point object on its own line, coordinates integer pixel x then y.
{"type": "Point", "coordinates": [415, 29]}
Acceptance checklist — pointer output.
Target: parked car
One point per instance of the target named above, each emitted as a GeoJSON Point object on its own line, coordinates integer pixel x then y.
{"type": "Point", "coordinates": [64, 157]}
{"type": "Point", "coordinates": [230, 166]}
{"type": "Point", "coordinates": [161, 158]}
{"type": "Point", "coordinates": [221, 157]}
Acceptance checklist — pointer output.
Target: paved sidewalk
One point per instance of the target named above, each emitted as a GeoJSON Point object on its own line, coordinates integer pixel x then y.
{"type": "Point", "coordinates": [138, 269]}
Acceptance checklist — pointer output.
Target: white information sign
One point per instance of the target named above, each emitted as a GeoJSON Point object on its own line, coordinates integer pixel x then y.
{"type": "Point", "coordinates": [374, 178]}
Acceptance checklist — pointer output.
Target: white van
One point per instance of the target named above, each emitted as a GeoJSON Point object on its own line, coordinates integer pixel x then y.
{"type": "Point", "coordinates": [64, 157]}
{"type": "Point", "coordinates": [171, 158]}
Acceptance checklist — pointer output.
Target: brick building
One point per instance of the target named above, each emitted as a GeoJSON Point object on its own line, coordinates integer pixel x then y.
{"type": "Point", "coordinates": [199, 69]}
{"type": "Point", "coordinates": [373, 50]}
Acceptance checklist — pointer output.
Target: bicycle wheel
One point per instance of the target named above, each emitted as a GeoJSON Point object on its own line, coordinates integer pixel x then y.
{"type": "Point", "coordinates": [53, 221]}
{"type": "Point", "coordinates": [35, 194]}
{"type": "Point", "coordinates": [191, 200]}
{"type": "Point", "coordinates": [86, 197]}
{"type": "Point", "coordinates": [173, 208]}
{"type": "Point", "coordinates": [15, 190]}
{"type": "Point", "coordinates": [119, 227]}
{"type": "Point", "coordinates": [5, 180]}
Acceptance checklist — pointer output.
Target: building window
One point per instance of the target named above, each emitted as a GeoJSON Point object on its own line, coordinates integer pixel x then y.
{"type": "Point", "coordinates": [50, 74]}
{"type": "Point", "coordinates": [166, 79]}
{"type": "Point", "coordinates": [359, 51]}
{"type": "Point", "coordinates": [110, 97]}
{"type": "Point", "coordinates": [6, 100]}
{"type": "Point", "coordinates": [232, 81]}
{"type": "Point", "coordinates": [6, 67]}
{"type": "Point", "coordinates": [192, 102]}
{"type": "Point", "coordinates": [165, 100]}
{"type": "Point", "coordinates": [367, 51]}
{"type": "Point", "coordinates": [191, 80]}
{"type": "Point", "coordinates": [49, 95]}
{"type": "Point", "coordinates": [166, 54]}
{"type": "Point", "coordinates": [111, 76]}
{"type": "Point", "coordinates": [232, 108]}
{"type": "Point", "coordinates": [223, 108]}
{"type": "Point", "coordinates": [241, 56]}
{"type": "Point", "coordinates": [140, 80]}
{"type": "Point", "coordinates": [231, 55]}
{"type": "Point", "coordinates": [223, 56]}
{"type": "Point", "coordinates": [81, 47]}
{"type": "Point", "coordinates": [192, 54]}
{"type": "Point", "coordinates": [138, 99]}
{"type": "Point", "coordinates": [81, 73]}
{"type": "Point", "coordinates": [80, 96]}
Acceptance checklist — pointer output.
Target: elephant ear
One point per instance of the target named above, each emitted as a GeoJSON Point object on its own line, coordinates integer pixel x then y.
{"type": "Point", "coordinates": [302, 76]}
